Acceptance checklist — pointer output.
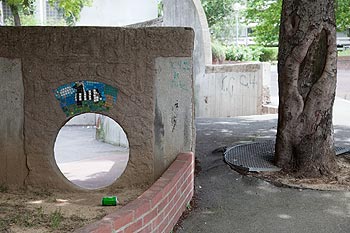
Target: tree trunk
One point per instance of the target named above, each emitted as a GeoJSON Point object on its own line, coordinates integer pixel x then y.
{"type": "Point", "coordinates": [307, 81]}
{"type": "Point", "coordinates": [16, 18]}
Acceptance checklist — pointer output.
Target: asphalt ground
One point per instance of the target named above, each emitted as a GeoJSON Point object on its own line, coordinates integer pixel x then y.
{"type": "Point", "coordinates": [229, 202]}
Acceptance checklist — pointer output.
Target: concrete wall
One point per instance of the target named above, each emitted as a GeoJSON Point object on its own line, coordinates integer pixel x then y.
{"type": "Point", "coordinates": [127, 59]}
{"type": "Point", "coordinates": [13, 169]}
{"type": "Point", "coordinates": [190, 13]}
{"type": "Point", "coordinates": [233, 90]}
{"type": "Point", "coordinates": [107, 130]}
{"type": "Point", "coordinates": [118, 12]}
{"type": "Point", "coordinates": [174, 120]}
{"type": "Point", "coordinates": [110, 132]}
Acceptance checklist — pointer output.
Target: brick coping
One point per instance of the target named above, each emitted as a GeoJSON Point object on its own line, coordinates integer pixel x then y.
{"type": "Point", "coordinates": [159, 208]}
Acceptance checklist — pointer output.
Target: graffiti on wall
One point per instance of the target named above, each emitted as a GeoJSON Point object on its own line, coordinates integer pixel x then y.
{"type": "Point", "coordinates": [85, 96]}
{"type": "Point", "coordinates": [178, 69]}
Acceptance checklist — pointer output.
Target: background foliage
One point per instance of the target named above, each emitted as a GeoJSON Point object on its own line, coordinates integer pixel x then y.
{"type": "Point", "coordinates": [266, 15]}
{"type": "Point", "coordinates": [262, 16]}
{"type": "Point", "coordinates": [24, 9]}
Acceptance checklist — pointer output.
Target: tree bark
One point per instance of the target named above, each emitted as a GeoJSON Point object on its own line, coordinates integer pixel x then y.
{"type": "Point", "coordinates": [307, 81]}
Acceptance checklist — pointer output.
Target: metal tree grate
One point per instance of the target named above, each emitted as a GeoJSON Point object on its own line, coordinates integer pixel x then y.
{"type": "Point", "coordinates": [341, 150]}
{"type": "Point", "coordinates": [258, 156]}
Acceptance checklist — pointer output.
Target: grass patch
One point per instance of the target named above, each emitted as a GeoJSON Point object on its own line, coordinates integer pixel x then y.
{"type": "Point", "coordinates": [56, 219]}
{"type": "Point", "coordinates": [28, 218]}
{"type": "Point", "coordinates": [21, 217]}
{"type": "Point", "coordinates": [188, 206]}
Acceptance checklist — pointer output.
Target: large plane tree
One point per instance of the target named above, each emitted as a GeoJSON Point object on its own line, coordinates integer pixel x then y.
{"type": "Point", "coordinates": [307, 82]}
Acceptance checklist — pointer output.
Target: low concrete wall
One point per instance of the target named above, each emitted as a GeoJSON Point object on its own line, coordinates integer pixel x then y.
{"type": "Point", "coordinates": [131, 75]}
{"type": "Point", "coordinates": [110, 132]}
{"type": "Point", "coordinates": [233, 90]}
{"type": "Point", "coordinates": [159, 208]}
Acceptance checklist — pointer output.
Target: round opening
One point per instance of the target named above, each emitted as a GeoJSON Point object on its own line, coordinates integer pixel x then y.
{"type": "Point", "coordinates": [91, 150]}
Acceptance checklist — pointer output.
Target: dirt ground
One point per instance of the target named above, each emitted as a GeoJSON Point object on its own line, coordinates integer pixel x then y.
{"type": "Point", "coordinates": [341, 180]}
{"type": "Point", "coordinates": [42, 211]}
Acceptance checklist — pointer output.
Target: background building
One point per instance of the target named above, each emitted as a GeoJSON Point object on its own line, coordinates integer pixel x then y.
{"type": "Point", "coordinates": [100, 13]}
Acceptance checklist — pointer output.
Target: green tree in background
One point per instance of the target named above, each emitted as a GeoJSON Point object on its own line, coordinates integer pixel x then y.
{"type": "Point", "coordinates": [25, 7]}
{"type": "Point", "coordinates": [342, 14]}
{"type": "Point", "coordinates": [221, 19]}
{"type": "Point", "coordinates": [70, 8]}
{"type": "Point", "coordinates": [266, 15]}
{"type": "Point", "coordinates": [217, 10]}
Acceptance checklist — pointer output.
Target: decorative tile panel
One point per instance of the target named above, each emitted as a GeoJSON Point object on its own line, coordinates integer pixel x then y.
{"type": "Point", "coordinates": [85, 96]}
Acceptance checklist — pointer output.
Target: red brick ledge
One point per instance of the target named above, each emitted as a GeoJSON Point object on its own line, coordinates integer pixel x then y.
{"type": "Point", "coordinates": [157, 209]}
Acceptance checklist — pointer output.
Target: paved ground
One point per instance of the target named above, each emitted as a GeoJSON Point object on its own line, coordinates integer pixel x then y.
{"type": "Point", "coordinates": [87, 162]}
{"type": "Point", "coordinates": [229, 202]}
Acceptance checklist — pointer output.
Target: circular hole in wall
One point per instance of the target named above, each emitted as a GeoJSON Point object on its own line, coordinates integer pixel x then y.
{"type": "Point", "coordinates": [91, 150]}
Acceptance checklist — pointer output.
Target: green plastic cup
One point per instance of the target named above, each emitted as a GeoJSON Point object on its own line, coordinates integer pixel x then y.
{"type": "Point", "coordinates": [109, 201]}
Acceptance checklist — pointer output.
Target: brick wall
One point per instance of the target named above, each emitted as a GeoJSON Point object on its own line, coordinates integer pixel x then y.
{"type": "Point", "coordinates": [159, 208]}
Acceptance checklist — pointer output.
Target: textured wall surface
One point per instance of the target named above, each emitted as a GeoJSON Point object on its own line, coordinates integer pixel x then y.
{"type": "Point", "coordinates": [11, 123]}
{"type": "Point", "coordinates": [233, 90]}
{"type": "Point", "coordinates": [122, 58]}
{"type": "Point", "coordinates": [174, 116]}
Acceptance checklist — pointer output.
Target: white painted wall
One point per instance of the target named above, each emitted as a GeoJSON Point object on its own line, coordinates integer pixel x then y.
{"type": "Point", "coordinates": [118, 12]}
{"type": "Point", "coordinates": [233, 90]}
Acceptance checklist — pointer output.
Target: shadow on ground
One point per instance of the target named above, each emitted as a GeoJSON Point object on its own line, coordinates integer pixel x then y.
{"type": "Point", "coordinates": [229, 202]}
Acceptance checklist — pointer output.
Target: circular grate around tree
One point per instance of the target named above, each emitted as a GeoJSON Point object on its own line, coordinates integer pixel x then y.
{"type": "Point", "coordinates": [258, 156]}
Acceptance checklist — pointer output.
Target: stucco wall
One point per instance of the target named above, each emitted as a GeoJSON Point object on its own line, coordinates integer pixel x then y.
{"type": "Point", "coordinates": [122, 58]}
{"type": "Point", "coordinates": [233, 90]}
